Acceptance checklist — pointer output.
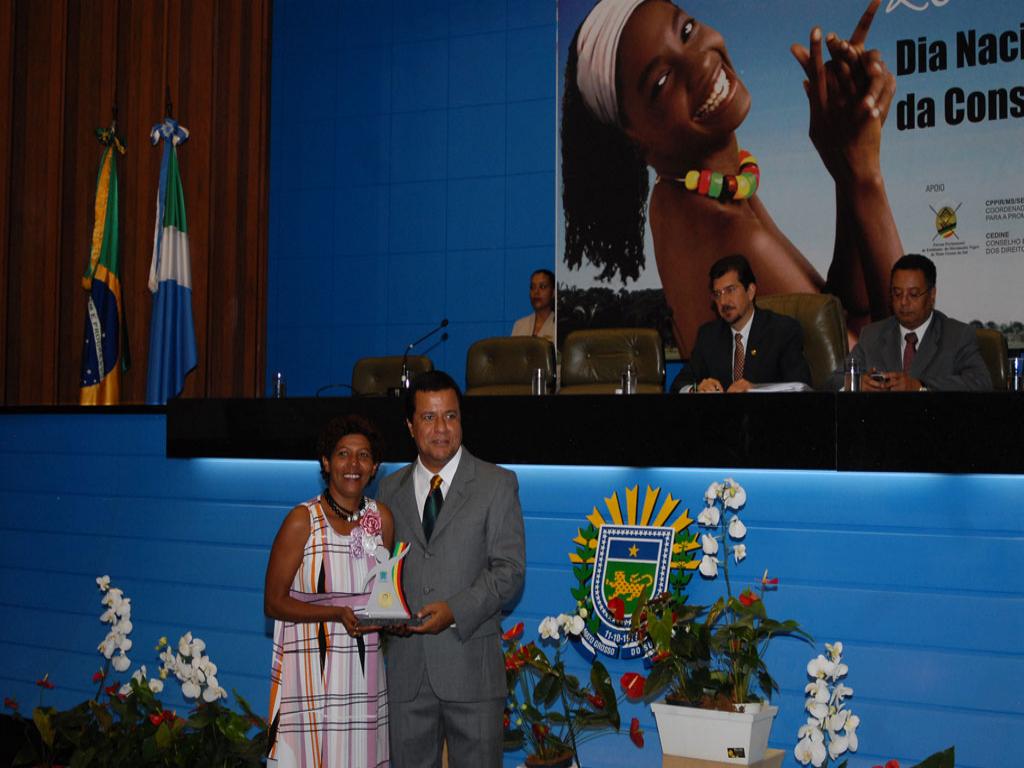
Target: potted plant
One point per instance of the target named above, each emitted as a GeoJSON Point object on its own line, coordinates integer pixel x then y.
{"type": "Point", "coordinates": [549, 712]}
{"type": "Point", "coordinates": [710, 659]}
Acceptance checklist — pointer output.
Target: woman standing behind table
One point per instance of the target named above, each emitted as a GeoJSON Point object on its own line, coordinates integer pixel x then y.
{"type": "Point", "coordinates": [328, 699]}
{"type": "Point", "coordinates": [541, 322]}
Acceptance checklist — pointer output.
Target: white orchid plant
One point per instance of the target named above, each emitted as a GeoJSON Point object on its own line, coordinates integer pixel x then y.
{"type": "Point", "coordinates": [196, 673]}
{"type": "Point", "coordinates": [831, 727]}
{"type": "Point", "coordinates": [713, 656]}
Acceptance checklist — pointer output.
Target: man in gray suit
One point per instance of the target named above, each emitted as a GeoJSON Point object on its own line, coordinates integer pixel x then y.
{"type": "Point", "coordinates": [446, 679]}
{"type": "Point", "coordinates": [918, 348]}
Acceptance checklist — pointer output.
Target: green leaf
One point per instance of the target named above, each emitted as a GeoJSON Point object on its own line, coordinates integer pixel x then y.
{"type": "Point", "coordinates": [44, 724]}
{"type": "Point", "coordinates": [163, 736]}
{"type": "Point", "coordinates": [943, 759]}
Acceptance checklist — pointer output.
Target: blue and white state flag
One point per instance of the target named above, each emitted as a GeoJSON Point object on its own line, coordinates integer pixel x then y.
{"type": "Point", "coordinates": [172, 337]}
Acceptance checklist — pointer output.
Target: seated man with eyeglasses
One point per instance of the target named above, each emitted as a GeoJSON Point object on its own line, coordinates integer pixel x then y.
{"type": "Point", "coordinates": [746, 345]}
{"type": "Point", "coordinates": [918, 348]}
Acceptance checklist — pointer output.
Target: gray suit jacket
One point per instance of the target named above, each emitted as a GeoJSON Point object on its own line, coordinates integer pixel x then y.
{"type": "Point", "coordinates": [476, 560]}
{"type": "Point", "coordinates": [948, 357]}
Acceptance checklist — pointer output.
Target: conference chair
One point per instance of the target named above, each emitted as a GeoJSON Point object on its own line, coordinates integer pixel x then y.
{"type": "Point", "coordinates": [593, 360]}
{"type": "Point", "coordinates": [505, 365]}
{"type": "Point", "coordinates": [374, 376]}
{"type": "Point", "coordinates": [995, 353]}
{"type": "Point", "coordinates": [821, 317]}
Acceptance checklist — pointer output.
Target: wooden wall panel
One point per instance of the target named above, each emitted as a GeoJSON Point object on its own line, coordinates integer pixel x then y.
{"type": "Point", "coordinates": [6, 86]}
{"type": "Point", "coordinates": [33, 270]}
{"type": "Point", "coordinates": [66, 63]}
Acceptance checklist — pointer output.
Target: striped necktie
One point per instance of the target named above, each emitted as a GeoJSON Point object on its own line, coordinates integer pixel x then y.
{"type": "Point", "coordinates": [909, 351]}
{"type": "Point", "coordinates": [432, 506]}
{"type": "Point", "coordinates": [737, 360]}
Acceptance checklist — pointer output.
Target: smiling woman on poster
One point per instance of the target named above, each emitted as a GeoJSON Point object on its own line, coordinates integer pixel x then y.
{"type": "Point", "coordinates": [648, 85]}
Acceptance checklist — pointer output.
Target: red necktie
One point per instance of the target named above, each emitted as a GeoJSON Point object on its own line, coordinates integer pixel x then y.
{"type": "Point", "coordinates": [737, 360]}
{"type": "Point", "coordinates": [909, 351]}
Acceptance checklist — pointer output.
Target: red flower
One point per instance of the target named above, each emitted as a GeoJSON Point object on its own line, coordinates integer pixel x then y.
{"type": "Point", "coordinates": [507, 720]}
{"type": "Point", "coordinates": [111, 690]}
{"type": "Point", "coordinates": [540, 731]}
{"type": "Point", "coordinates": [596, 701]}
{"type": "Point", "coordinates": [660, 656]}
{"type": "Point", "coordinates": [165, 716]}
{"type": "Point", "coordinates": [618, 608]}
{"type": "Point", "coordinates": [45, 682]}
{"type": "Point", "coordinates": [10, 703]}
{"type": "Point", "coordinates": [889, 764]}
{"type": "Point", "coordinates": [513, 633]}
{"type": "Point", "coordinates": [97, 676]}
{"type": "Point", "coordinates": [748, 598]}
{"type": "Point", "coordinates": [632, 685]}
{"type": "Point", "coordinates": [636, 733]}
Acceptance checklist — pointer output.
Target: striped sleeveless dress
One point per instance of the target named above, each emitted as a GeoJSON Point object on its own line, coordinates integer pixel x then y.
{"type": "Point", "coordinates": [328, 700]}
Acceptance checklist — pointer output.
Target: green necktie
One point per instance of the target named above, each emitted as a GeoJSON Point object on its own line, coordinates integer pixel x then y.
{"type": "Point", "coordinates": [432, 506]}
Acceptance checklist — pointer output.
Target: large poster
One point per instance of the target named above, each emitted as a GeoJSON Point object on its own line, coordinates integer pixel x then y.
{"type": "Point", "coordinates": [951, 157]}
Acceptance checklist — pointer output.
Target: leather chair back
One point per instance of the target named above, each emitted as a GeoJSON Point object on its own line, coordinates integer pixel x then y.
{"type": "Point", "coordinates": [593, 360]}
{"type": "Point", "coordinates": [504, 365]}
{"type": "Point", "coordinates": [821, 317]}
{"type": "Point", "coordinates": [376, 375]}
{"type": "Point", "coordinates": [995, 353]}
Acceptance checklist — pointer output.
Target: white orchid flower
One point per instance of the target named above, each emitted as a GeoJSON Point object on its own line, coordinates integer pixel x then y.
{"type": "Point", "coordinates": [852, 723]}
{"type": "Point", "coordinates": [709, 544]}
{"type": "Point", "coordinates": [184, 644]}
{"type": "Point", "coordinates": [139, 674]}
{"type": "Point", "coordinates": [189, 690]}
{"type": "Point", "coordinates": [111, 595]}
{"type": "Point", "coordinates": [125, 690]}
{"type": "Point", "coordinates": [811, 730]}
{"type": "Point", "coordinates": [817, 709]}
{"type": "Point", "coordinates": [733, 495]}
{"type": "Point", "coordinates": [583, 613]}
{"type": "Point", "coordinates": [198, 646]}
{"type": "Point", "coordinates": [708, 566]}
{"type": "Point", "coordinates": [548, 629]}
{"type": "Point", "coordinates": [837, 745]}
{"type": "Point", "coordinates": [713, 492]}
{"type": "Point", "coordinates": [709, 517]}
{"type": "Point", "coordinates": [819, 667]}
{"type": "Point", "coordinates": [125, 644]}
{"type": "Point", "coordinates": [739, 552]}
{"type": "Point", "coordinates": [837, 721]}
{"type": "Point", "coordinates": [835, 650]}
{"type": "Point", "coordinates": [839, 670]}
{"type": "Point", "coordinates": [155, 685]}
{"type": "Point", "coordinates": [575, 625]}
{"type": "Point", "coordinates": [107, 647]}
{"type": "Point", "coordinates": [120, 662]}
{"type": "Point", "coordinates": [841, 692]}
{"type": "Point", "coordinates": [109, 616]}
{"type": "Point", "coordinates": [818, 690]}
{"type": "Point", "coordinates": [737, 529]}
{"type": "Point", "coordinates": [124, 626]}
{"type": "Point", "coordinates": [808, 751]}
{"type": "Point", "coordinates": [213, 693]}
{"type": "Point", "coordinates": [103, 582]}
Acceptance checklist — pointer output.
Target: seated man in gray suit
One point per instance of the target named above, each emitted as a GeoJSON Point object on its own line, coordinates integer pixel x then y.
{"type": "Point", "coordinates": [446, 679]}
{"type": "Point", "coordinates": [918, 348]}
{"type": "Point", "coordinates": [746, 345]}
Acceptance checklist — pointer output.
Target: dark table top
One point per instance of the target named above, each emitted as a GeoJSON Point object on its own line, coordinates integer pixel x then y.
{"type": "Point", "coordinates": [928, 432]}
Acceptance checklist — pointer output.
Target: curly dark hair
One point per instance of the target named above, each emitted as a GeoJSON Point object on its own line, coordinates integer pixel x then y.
{"type": "Point", "coordinates": [340, 426]}
{"type": "Point", "coordinates": [604, 188]}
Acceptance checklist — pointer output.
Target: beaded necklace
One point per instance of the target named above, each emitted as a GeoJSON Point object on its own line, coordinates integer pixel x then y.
{"type": "Point", "coordinates": [723, 186]}
{"type": "Point", "coordinates": [348, 515]}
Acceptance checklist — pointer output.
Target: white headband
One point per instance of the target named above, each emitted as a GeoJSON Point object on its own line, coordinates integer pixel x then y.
{"type": "Point", "coordinates": [597, 47]}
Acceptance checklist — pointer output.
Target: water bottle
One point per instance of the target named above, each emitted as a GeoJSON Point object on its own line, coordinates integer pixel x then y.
{"type": "Point", "coordinates": [539, 382]}
{"type": "Point", "coordinates": [852, 374]}
{"type": "Point", "coordinates": [629, 379]}
{"type": "Point", "coordinates": [280, 386]}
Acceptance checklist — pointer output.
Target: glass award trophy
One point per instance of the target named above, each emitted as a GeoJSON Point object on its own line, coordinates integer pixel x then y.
{"type": "Point", "coordinates": [386, 605]}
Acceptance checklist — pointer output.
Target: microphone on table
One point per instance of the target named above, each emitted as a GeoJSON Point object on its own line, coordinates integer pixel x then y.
{"type": "Point", "coordinates": [409, 347]}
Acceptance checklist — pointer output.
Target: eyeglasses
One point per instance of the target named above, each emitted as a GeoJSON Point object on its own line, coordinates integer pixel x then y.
{"type": "Point", "coordinates": [728, 290]}
{"type": "Point", "coordinates": [913, 293]}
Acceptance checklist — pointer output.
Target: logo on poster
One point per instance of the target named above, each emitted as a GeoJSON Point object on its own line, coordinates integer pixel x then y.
{"type": "Point", "coordinates": [945, 222]}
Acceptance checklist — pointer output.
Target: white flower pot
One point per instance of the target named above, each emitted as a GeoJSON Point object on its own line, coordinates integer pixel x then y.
{"type": "Point", "coordinates": [737, 738]}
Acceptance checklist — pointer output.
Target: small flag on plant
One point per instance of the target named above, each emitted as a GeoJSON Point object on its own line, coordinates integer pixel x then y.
{"type": "Point", "coordinates": [172, 338]}
{"type": "Point", "coordinates": [105, 353]}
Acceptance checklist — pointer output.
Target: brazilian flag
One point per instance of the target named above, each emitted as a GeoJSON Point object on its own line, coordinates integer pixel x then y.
{"type": "Point", "coordinates": [105, 353]}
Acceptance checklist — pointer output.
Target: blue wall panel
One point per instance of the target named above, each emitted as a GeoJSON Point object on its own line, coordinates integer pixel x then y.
{"type": "Point", "coordinates": [417, 136]}
{"type": "Point", "coordinates": [918, 575]}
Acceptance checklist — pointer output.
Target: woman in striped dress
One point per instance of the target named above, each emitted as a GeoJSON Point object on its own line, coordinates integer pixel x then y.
{"type": "Point", "coordinates": [328, 699]}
